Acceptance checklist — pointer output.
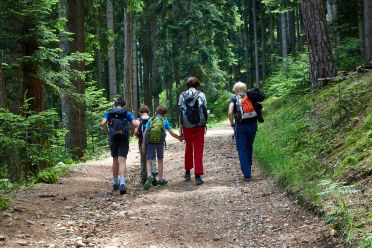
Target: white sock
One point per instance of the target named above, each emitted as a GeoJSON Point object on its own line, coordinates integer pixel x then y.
{"type": "Point", "coordinates": [122, 180]}
{"type": "Point", "coordinates": [115, 180]}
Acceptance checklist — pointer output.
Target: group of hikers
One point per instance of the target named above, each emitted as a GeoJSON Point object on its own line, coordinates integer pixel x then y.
{"type": "Point", "coordinates": [244, 111]}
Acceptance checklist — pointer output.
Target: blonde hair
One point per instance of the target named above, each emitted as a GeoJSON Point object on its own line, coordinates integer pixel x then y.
{"type": "Point", "coordinates": [240, 87]}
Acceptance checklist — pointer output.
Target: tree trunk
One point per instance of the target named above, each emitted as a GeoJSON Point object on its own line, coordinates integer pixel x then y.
{"type": "Point", "coordinates": [246, 51]}
{"type": "Point", "coordinates": [367, 31]}
{"type": "Point", "coordinates": [128, 58]}
{"type": "Point", "coordinates": [361, 27]}
{"type": "Point", "coordinates": [332, 24]}
{"type": "Point", "coordinates": [272, 41]}
{"type": "Point", "coordinates": [111, 52]}
{"type": "Point", "coordinates": [2, 87]}
{"type": "Point", "coordinates": [99, 60]}
{"type": "Point", "coordinates": [33, 83]}
{"type": "Point", "coordinates": [135, 100]}
{"type": "Point", "coordinates": [263, 41]}
{"type": "Point", "coordinates": [322, 64]}
{"type": "Point", "coordinates": [299, 29]}
{"type": "Point", "coordinates": [292, 31]}
{"type": "Point", "coordinates": [257, 69]}
{"type": "Point", "coordinates": [76, 140]}
{"type": "Point", "coordinates": [154, 63]}
{"type": "Point", "coordinates": [283, 31]}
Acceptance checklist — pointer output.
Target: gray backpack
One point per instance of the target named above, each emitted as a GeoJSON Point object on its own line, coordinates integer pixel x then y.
{"type": "Point", "coordinates": [193, 112]}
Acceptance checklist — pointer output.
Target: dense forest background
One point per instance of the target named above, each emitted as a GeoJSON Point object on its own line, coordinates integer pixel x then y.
{"type": "Point", "coordinates": [63, 62]}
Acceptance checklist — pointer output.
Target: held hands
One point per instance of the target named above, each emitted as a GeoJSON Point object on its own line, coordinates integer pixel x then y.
{"type": "Point", "coordinates": [181, 138]}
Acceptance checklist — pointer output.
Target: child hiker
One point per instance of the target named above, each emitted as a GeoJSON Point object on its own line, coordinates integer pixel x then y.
{"type": "Point", "coordinates": [144, 112]}
{"type": "Point", "coordinates": [154, 138]}
{"type": "Point", "coordinates": [116, 123]}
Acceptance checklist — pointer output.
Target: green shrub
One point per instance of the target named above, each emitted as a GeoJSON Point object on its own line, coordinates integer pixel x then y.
{"type": "Point", "coordinates": [51, 175]}
{"type": "Point", "coordinates": [3, 202]}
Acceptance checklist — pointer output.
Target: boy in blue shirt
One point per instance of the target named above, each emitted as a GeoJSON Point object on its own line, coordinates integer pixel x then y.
{"type": "Point", "coordinates": [156, 144]}
{"type": "Point", "coordinates": [116, 123]}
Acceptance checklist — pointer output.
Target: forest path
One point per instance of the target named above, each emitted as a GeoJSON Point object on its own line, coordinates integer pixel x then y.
{"type": "Point", "coordinates": [81, 210]}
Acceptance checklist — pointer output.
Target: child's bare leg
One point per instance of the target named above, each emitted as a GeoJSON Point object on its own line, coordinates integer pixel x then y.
{"type": "Point", "coordinates": [148, 167]}
{"type": "Point", "coordinates": [160, 168]}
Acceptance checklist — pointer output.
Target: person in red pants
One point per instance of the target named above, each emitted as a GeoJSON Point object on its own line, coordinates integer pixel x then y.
{"type": "Point", "coordinates": [193, 119]}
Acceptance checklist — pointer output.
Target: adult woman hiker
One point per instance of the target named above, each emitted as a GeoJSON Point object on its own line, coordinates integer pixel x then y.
{"type": "Point", "coordinates": [193, 119]}
{"type": "Point", "coordinates": [242, 110]}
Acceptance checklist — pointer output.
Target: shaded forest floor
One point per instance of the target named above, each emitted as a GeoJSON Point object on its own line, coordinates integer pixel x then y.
{"type": "Point", "coordinates": [81, 210]}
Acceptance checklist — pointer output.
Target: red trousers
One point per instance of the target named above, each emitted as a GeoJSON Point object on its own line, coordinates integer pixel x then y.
{"type": "Point", "coordinates": [194, 138]}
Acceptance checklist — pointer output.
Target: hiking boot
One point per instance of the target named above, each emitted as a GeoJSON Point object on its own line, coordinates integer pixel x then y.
{"type": "Point", "coordinates": [187, 176]}
{"type": "Point", "coordinates": [143, 180]}
{"type": "Point", "coordinates": [198, 180]}
{"type": "Point", "coordinates": [115, 187]}
{"type": "Point", "coordinates": [247, 179]}
{"type": "Point", "coordinates": [155, 182]}
{"type": "Point", "coordinates": [122, 189]}
{"type": "Point", "coordinates": [162, 182]}
{"type": "Point", "coordinates": [148, 183]}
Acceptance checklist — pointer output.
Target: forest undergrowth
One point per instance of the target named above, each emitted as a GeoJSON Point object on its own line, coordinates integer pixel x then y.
{"type": "Point", "coordinates": [317, 145]}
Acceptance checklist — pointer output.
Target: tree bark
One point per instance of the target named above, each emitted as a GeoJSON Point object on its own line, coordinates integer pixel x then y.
{"type": "Point", "coordinates": [367, 31]}
{"type": "Point", "coordinates": [76, 140]}
{"type": "Point", "coordinates": [111, 52]}
{"type": "Point", "coordinates": [322, 64]}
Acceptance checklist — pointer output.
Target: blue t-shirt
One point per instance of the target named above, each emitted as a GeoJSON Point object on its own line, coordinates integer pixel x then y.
{"type": "Point", "coordinates": [130, 116]}
{"type": "Point", "coordinates": [166, 124]}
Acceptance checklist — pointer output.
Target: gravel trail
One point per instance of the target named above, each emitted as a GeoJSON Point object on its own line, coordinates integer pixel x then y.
{"type": "Point", "coordinates": [81, 210]}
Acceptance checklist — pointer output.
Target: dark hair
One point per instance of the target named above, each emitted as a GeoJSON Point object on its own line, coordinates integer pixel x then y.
{"type": "Point", "coordinates": [120, 102]}
{"type": "Point", "coordinates": [144, 109]}
{"type": "Point", "coordinates": [192, 82]}
{"type": "Point", "coordinates": [161, 110]}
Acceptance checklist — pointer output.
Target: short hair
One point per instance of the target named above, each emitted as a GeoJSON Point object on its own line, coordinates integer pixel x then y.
{"type": "Point", "coordinates": [192, 82]}
{"type": "Point", "coordinates": [144, 109]}
{"type": "Point", "coordinates": [240, 87]}
{"type": "Point", "coordinates": [161, 110]}
{"type": "Point", "coordinates": [120, 102]}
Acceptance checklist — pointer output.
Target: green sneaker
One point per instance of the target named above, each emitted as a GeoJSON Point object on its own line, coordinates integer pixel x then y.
{"type": "Point", "coordinates": [148, 183]}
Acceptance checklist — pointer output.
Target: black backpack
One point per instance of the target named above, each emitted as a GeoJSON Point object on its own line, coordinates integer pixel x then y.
{"type": "Point", "coordinates": [118, 124]}
{"type": "Point", "coordinates": [256, 95]}
{"type": "Point", "coordinates": [193, 113]}
{"type": "Point", "coordinates": [141, 128]}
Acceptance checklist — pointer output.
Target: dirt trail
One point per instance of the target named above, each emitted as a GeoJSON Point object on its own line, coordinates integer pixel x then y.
{"type": "Point", "coordinates": [81, 210]}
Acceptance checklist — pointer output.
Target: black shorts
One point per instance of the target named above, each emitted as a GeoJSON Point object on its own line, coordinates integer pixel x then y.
{"type": "Point", "coordinates": [119, 148]}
